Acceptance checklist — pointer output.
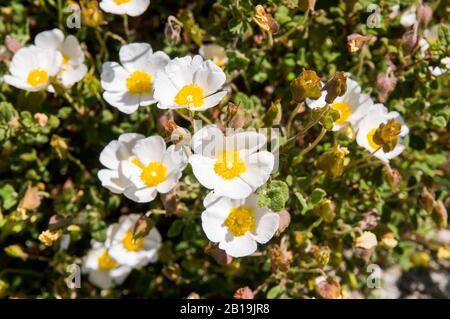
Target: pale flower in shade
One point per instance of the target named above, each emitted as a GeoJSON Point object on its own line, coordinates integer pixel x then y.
{"type": "Point", "coordinates": [153, 170]}
{"type": "Point", "coordinates": [32, 68]}
{"type": "Point", "coordinates": [133, 253]}
{"type": "Point", "coordinates": [102, 269]}
{"type": "Point", "coordinates": [352, 106]}
{"type": "Point", "coordinates": [238, 225]}
{"type": "Point", "coordinates": [367, 127]}
{"type": "Point", "coordinates": [111, 156]}
{"type": "Point", "coordinates": [409, 17]}
{"type": "Point", "coordinates": [130, 84]}
{"type": "Point", "coordinates": [190, 82]}
{"type": "Point", "coordinates": [215, 53]}
{"type": "Point", "coordinates": [72, 68]}
{"type": "Point", "coordinates": [230, 165]}
{"type": "Point", "coordinates": [367, 240]}
{"type": "Point", "coordinates": [129, 7]}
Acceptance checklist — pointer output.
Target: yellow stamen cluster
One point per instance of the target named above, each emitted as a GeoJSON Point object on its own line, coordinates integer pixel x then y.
{"type": "Point", "coordinates": [130, 244]}
{"type": "Point", "coordinates": [105, 262]}
{"type": "Point", "coordinates": [37, 77]}
{"type": "Point", "coordinates": [119, 2]}
{"type": "Point", "coordinates": [240, 221]}
{"type": "Point", "coordinates": [190, 95]}
{"type": "Point", "coordinates": [139, 82]}
{"type": "Point", "coordinates": [344, 111]}
{"type": "Point", "coordinates": [152, 174]}
{"type": "Point", "coordinates": [229, 165]}
{"type": "Point", "coordinates": [370, 138]}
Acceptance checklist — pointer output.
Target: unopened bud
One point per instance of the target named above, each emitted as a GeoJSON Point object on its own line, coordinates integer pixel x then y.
{"type": "Point", "coordinates": [385, 84]}
{"type": "Point", "coordinates": [307, 85]}
{"type": "Point", "coordinates": [427, 200]}
{"type": "Point", "coordinates": [425, 14]}
{"type": "Point", "coordinates": [387, 134]}
{"type": "Point", "coordinates": [41, 119]}
{"type": "Point", "coordinates": [244, 293]}
{"type": "Point", "coordinates": [326, 209]}
{"type": "Point", "coordinates": [335, 87]}
{"type": "Point", "coordinates": [440, 215]}
{"type": "Point", "coordinates": [328, 288]}
{"type": "Point", "coordinates": [12, 44]}
{"type": "Point", "coordinates": [392, 177]}
{"type": "Point", "coordinates": [410, 40]}
{"type": "Point", "coordinates": [219, 255]}
{"type": "Point", "coordinates": [172, 30]}
{"type": "Point", "coordinates": [142, 227]}
{"type": "Point", "coordinates": [332, 161]}
{"type": "Point", "coordinates": [285, 220]}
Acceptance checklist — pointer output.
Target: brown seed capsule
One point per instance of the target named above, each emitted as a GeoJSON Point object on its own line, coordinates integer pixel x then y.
{"type": "Point", "coordinates": [335, 87]}
{"type": "Point", "coordinates": [306, 85]}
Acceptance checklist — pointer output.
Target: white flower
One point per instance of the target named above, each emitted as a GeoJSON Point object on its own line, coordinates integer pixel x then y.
{"type": "Point", "coordinates": [153, 169]}
{"type": "Point", "coordinates": [237, 225]}
{"type": "Point", "coordinates": [111, 156]}
{"type": "Point", "coordinates": [189, 83]}
{"type": "Point", "coordinates": [230, 165]}
{"type": "Point", "coordinates": [129, 252]}
{"type": "Point", "coordinates": [367, 127]}
{"type": "Point", "coordinates": [214, 52]}
{"type": "Point", "coordinates": [104, 270]}
{"type": "Point", "coordinates": [130, 7]}
{"type": "Point", "coordinates": [72, 69]}
{"type": "Point", "coordinates": [408, 18]}
{"type": "Point", "coordinates": [130, 85]}
{"type": "Point", "coordinates": [32, 67]}
{"type": "Point", "coordinates": [352, 106]}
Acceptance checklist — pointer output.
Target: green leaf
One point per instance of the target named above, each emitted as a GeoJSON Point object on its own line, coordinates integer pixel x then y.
{"type": "Point", "coordinates": [8, 196]}
{"type": "Point", "coordinates": [274, 292]}
{"type": "Point", "coordinates": [175, 228]}
{"type": "Point", "coordinates": [317, 195]}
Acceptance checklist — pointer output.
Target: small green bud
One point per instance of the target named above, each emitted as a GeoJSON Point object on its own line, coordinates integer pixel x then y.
{"type": "Point", "coordinates": [332, 161]}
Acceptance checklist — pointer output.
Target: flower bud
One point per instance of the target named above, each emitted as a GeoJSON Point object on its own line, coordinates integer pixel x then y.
{"type": "Point", "coordinates": [425, 14]}
{"type": "Point", "coordinates": [326, 209]}
{"type": "Point", "coordinates": [92, 16]}
{"type": "Point", "coordinates": [392, 177]}
{"type": "Point", "coordinates": [281, 258]}
{"type": "Point", "coordinates": [427, 200]}
{"type": "Point", "coordinates": [12, 44]}
{"type": "Point", "coordinates": [142, 227]}
{"type": "Point", "coordinates": [285, 220]}
{"type": "Point", "coordinates": [367, 240]}
{"type": "Point", "coordinates": [172, 30]}
{"type": "Point", "coordinates": [387, 134]}
{"type": "Point", "coordinates": [219, 255]}
{"type": "Point", "coordinates": [389, 240]}
{"type": "Point", "coordinates": [244, 293]}
{"type": "Point", "coordinates": [48, 237]}
{"type": "Point", "coordinates": [306, 5]}
{"type": "Point", "coordinates": [41, 119]}
{"type": "Point", "coordinates": [328, 288]}
{"type": "Point", "coordinates": [410, 40]}
{"type": "Point", "coordinates": [32, 199]}
{"type": "Point", "coordinates": [420, 259]}
{"type": "Point", "coordinates": [16, 251]}
{"type": "Point", "coordinates": [385, 84]}
{"type": "Point", "coordinates": [332, 161]}
{"type": "Point", "coordinates": [440, 215]}
{"type": "Point", "coordinates": [356, 41]}
{"type": "Point", "coordinates": [60, 146]}
{"type": "Point", "coordinates": [322, 255]}
{"type": "Point", "coordinates": [335, 87]}
{"type": "Point", "coordinates": [265, 21]}
{"type": "Point", "coordinates": [307, 85]}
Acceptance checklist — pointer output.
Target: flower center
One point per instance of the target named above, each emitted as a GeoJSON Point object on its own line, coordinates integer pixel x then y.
{"type": "Point", "coordinates": [190, 95]}
{"type": "Point", "coordinates": [139, 82]}
{"type": "Point", "coordinates": [370, 139]}
{"type": "Point", "coordinates": [344, 111]}
{"type": "Point", "coordinates": [119, 2]}
{"type": "Point", "coordinates": [130, 244]}
{"type": "Point", "coordinates": [240, 221]}
{"type": "Point", "coordinates": [152, 174]}
{"type": "Point", "coordinates": [105, 262]}
{"type": "Point", "coordinates": [229, 165]}
{"type": "Point", "coordinates": [37, 77]}
{"type": "Point", "coordinates": [65, 60]}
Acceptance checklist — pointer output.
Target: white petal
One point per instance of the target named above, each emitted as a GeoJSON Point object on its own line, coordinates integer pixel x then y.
{"type": "Point", "coordinates": [113, 77]}
{"type": "Point", "coordinates": [266, 227]}
{"type": "Point", "coordinates": [143, 195]}
{"type": "Point", "coordinates": [111, 180]}
{"type": "Point", "coordinates": [123, 101]}
{"type": "Point", "coordinates": [249, 140]}
{"type": "Point", "coordinates": [210, 77]}
{"type": "Point", "coordinates": [100, 278]}
{"type": "Point", "coordinates": [150, 149]}
{"type": "Point", "coordinates": [202, 167]}
{"type": "Point", "coordinates": [72, 50]}
{"type": "Point", "coordinates": [207, 141]}
{"type": "Point", "coordinates": [131, 172]}
{"type": "Point", "coordinates": [109, 155]}
{"type": "Point", "coordinates": [210, 101]}
{"type": "Point", "coordinates": [259, 167]}
{"type": "Point", "coordinates": [72, 75]}
{"type": "Point", "coordinates": [165, 91]}
{"type": "Point", "coordinates": [51, 39]}
{"type": "Point", "coordinates": [236, 188]}
{"type": "Point", "coordinates": [135, 56]}
{"type": "Point", "coordinates": [239, 246]}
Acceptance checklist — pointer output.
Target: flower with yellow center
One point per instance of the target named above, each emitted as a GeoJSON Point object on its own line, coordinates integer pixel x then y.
{"type": "Point", "coordinates": [32, 68]}
{"type": "Point", "coordinates": [131, 244]}
{"type": "Point", "coordinates": [152, 169]}
{"type": "Point", "coordinates": [129, 85]}
{"type": "Point", "coordinates": [215, 53]}
{"type": "Point", "coordinates": [72, 67]}
{"type": "Point", "coordinates": [191, 83]}
{"type": "Point", "coordinates": [131, 252]}
{"type": "Point", "coordinates": [104, 270]}
{"type": "Point", "coordinates": [367, 127]}
{"type": "Point", "coordinates": [232, 165]}
{"type": "Point", "coordinates": [111, 156]}
{"type": "Point", "coordinates": [238, 224]}
{"type": "Point", "coordinates": [352, 106]}
{"type": "Point", "coordinates": [105, 262]}
{"type": "Point", "coordinates": [129, 7]}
